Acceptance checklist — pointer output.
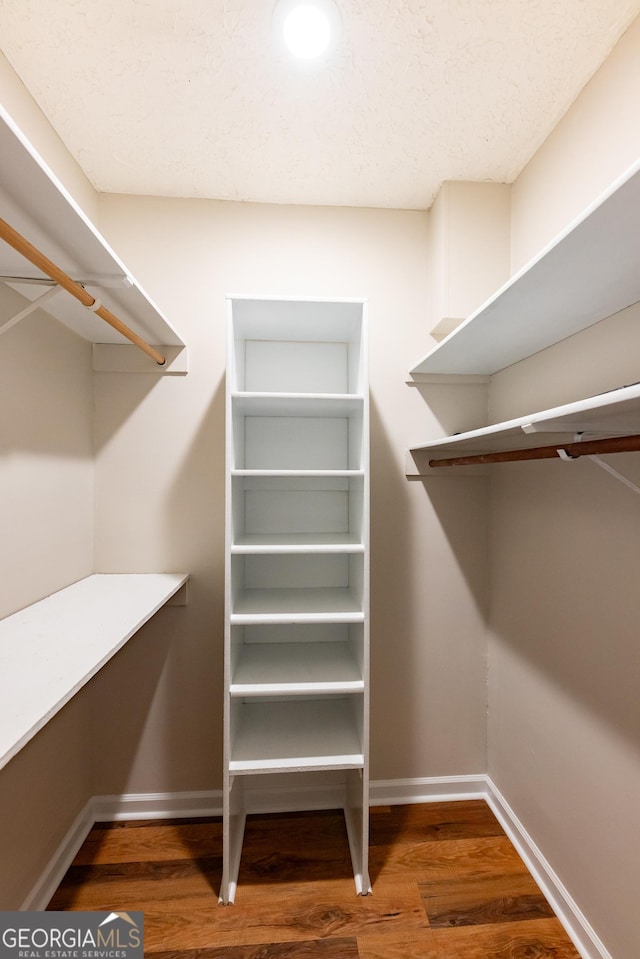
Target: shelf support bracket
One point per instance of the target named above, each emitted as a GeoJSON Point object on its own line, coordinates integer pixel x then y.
{"type": "Point", "coordinates": [578, 437]}
{"type": "Point", "coordinates": [34, 305]}
{"type": "Point", "coordinates": [612, 472]}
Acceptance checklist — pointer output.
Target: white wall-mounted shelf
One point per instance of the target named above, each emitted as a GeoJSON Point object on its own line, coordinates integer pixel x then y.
{"type": "Point", "coordinates": [36, 204]}
{"type": "Point", "coordinates": [50, 650]}
{"type": "Point", "coordinates": [587, 273]}
{"type": "Point", "coordinates": [615, 413]}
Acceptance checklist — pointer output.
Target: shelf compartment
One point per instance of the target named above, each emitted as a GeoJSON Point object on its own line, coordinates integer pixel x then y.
{"type": "Point", "coordinates": [316, 658]}
{"type": "Point", "coordinates": [297, 442]}
{"type": "Point", "coordinates": [297, 404]}
{"type": "Point", "coordinates": [307, 585]}
{"type": "Point", "coordinates": [586, 274]}
{"type": "Point", "coordinates": [297, 606]}
{"type": "Point", "coordinates": [296, 734]}
{"type": "Point", "coordinates": [297, 512]}
{"type": "Point", "coordinates": [297, 346]}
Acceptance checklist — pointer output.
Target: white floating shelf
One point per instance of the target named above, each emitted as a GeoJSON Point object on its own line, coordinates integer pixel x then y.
{"type": "Point", "coordinates": [586, 274]}
{"type": "Point", "coordinates": [615, 413]}
{"type": "Point", "coordinates": [36, 204]}
{"type": "Point", "coordinates": [295, 736]}
{"type": "Point", "coordinates": [286, 668]}
{"type": "Point", "coordinates": [49, 650]}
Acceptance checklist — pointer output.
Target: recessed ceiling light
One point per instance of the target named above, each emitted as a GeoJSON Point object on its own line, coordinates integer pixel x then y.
{"type": "Point", "coordinates": [309, 29]}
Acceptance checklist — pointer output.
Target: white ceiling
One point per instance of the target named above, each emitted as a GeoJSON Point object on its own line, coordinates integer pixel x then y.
{"type": "Point", "coordinates": [194, 98]}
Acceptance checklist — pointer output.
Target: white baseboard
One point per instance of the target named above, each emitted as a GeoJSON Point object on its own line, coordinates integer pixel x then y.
{"type": "Point", "coordinates": [165, 805]}
{"type": "Point", "coordinates": [382, 793]}
{"type": "Point", "coordinates": [582, 934]}
{"type": "Point", "coordinates": [395, 792]}
{"type": "Point", "coordinates": [52, 876]}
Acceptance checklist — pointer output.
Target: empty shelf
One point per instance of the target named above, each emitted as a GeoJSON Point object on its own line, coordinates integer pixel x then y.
{"type": "Point", "coordinates": [295, 735]}
{"type": "Point", "coordinates": [49, 650]}
{"type": "Point", "coordinates": [298, 605]}
{"type": "Point", "coordinates": [296, 668]}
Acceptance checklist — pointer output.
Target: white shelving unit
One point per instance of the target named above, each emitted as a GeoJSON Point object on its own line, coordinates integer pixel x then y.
{"type": "Point", "coordinates": [587, 273]}
{"type": "Point", "coordinates": [36, 204]}
{"type": "Point", "coordinates": [297, 558]}
{"type": "Point", "coordinates": [50, 650]}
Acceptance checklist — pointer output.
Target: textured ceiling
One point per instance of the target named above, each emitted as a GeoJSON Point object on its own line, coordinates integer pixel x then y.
{"type": "Point", "coordinates": [194, 98]}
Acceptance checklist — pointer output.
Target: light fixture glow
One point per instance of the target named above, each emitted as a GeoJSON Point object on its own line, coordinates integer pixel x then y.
{"type": "Point", "coordinates": [307, 31]}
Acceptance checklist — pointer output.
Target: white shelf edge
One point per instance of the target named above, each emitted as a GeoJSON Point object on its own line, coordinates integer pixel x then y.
{"type": "Point", "coordinates": [51, 649]}
{"type": "Point", "coordinates": [259, 396]}
{"type": "Point", "coordinates": [311, 549]}
{"type": "Point", "coordinates": [299, 764]}
{"type": "Point", "coordinates": [295, 689]}
{"type": "Point", "coordinates": [448, 379]}
{"type": "Point", "coordinates": [283, 618]}
{"type": "Point", "coordinates": [291, 298]}
{"type": "Point", "coordinates": [304, 474]}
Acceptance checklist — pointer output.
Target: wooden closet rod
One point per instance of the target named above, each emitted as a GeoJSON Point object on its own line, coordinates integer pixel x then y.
{"type": "Point", "coordinates": [614, 444]}
{"type": "Point", "coordinates": [39, 260]}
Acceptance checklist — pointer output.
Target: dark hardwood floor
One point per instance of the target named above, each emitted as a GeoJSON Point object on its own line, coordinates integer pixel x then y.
{"type": "Point", "coordinates": [447, 884]}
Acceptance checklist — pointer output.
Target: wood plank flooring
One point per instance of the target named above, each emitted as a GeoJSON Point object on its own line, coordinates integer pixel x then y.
{"type": "Point", "coordinates": [447, 884]}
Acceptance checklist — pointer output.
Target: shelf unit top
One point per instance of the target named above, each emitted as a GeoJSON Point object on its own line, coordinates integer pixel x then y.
{"type": "Point", "coordinates": [313, 319]}
{"type": "Point", "coordinates": [37, 205]}
{"type": "Point", "coordinates": [589, 272]}
{"type": "Point", "coordinates": [49, 650]}
{"type": "Point", "coordinates": [615, 413]}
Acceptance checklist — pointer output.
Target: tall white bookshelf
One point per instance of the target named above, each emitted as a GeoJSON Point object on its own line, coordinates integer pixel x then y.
{"type": "Point", "coordinates": [297, 563]}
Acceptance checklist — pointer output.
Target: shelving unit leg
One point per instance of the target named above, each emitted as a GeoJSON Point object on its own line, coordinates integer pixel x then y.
{"type": "Point", "coordinates": [234, 818]}
{"type": "Point", "coordinates": [356, 814]}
